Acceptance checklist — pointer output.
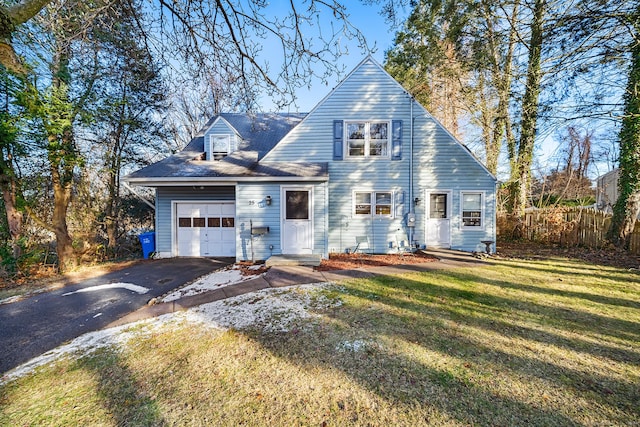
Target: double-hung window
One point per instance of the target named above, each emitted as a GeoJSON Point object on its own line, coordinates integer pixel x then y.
{"type": "Point", "coordinates": [368, 139]}
{"type": "Point", "coordinates": [472, 209]}
{"type": "Point", "coordinates": [373, 204]}
{"type": "Point", "coordinates": [220, 146]}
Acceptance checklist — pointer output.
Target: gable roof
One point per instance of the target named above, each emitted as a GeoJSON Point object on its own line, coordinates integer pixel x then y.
{"type": "Point", "coordinates": [259, 133]}
{"type": "Point", "coordinates": [420, 109]}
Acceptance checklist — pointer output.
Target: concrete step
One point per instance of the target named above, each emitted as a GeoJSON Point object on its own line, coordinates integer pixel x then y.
{"type": "Point", "coordinates": [312, 260]}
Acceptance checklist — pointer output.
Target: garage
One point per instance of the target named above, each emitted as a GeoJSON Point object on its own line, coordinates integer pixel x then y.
{"type": "Point", "coordinates": [206, 229]}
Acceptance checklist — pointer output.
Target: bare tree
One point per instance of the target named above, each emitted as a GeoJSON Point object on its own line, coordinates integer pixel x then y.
{"type": "Point", "coordinates": [229, 38]}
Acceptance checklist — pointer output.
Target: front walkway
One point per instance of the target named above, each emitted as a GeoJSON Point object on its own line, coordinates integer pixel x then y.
{"type": "Point", "coordinates": [283, 276]}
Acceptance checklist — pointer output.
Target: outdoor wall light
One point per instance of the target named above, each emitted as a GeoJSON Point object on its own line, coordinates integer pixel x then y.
{"type": "Point", "coordinates": [267, 200]}
{"type": "Point", "coordinates": [416, 201]}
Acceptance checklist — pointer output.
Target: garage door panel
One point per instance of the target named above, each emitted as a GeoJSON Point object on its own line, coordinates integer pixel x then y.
{"type": "Point", "coordinates": [215, 210]}
{"type": "Point", "coordinates": [206, 229]}
{"type": "Point", "coordinates": [229, 210]}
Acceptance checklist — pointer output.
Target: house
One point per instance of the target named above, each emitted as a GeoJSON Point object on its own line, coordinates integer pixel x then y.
{"type": "Point", "coordinates": [368, 168]}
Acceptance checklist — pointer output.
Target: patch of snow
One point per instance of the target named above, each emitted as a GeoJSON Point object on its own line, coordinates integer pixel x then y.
{"type": "Point", "coordinates": [215, 280]}
{"type": "Point", "coordinates": [85, 344]}
{"type": "Point", "coordinates": [129, 286]}
{"type": "Point", "coordinates": [355, 346]}
{"type": "Point", "coordinates": [272, 310]}
{"type": "Point", "coordinates": [11, 299]}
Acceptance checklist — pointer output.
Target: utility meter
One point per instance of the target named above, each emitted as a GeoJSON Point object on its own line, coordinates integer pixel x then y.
{"type": "Point", "coordinates": [411, 219]}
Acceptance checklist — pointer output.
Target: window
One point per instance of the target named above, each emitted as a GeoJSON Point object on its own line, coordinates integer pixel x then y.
{"type": "Point", "coordinates": [373, 203]}
{"type": "Point", "coordinates": [367, 139]}
{"type": "Point", "coordinates": [220, 146]}
{"type": "Point", "coordinates": [297, 204]}
{"type": "Point", "coordinates": [363, 204]}
{"type": "Point", "coordinates": [472, 212]}
{"type": "Point", "coordinates": [438, 205]}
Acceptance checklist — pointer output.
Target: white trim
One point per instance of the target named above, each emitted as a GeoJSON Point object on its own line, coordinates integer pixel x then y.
{"type": "Point", "coordinates": [216, 181]}
{"type": "Point", "coordinates": [373, 215]}
{"type": "Point", "coordinates": [174, 219]}
{"type": "Point", "coordinates": [283, 207]}
{"type": "Point", "coordinates": [226, 122]}
{"type": "Point", "coordinates": [211, 143]}
{"type": "Point", "coordinates": [483, 210]}
{"type": "Point", "coordinates": [427, 209]}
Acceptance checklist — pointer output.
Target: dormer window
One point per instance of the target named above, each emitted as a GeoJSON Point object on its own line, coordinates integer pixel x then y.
{"type": "Point", "coordinates": [220, 146]}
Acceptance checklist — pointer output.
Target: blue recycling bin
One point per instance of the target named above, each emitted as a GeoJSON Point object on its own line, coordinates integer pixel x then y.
{"type": "Point", "coordinates": [148, 242]}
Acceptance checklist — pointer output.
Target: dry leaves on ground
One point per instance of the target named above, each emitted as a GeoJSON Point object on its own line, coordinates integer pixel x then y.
{"type": "Point", "coordinates": [352, 261]}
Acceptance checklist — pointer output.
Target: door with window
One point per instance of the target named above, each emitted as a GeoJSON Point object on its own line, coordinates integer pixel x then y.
{"type": "Point", "coordinates": [438, 227]}
{"type": "Point", "coordinates": [297, 220]}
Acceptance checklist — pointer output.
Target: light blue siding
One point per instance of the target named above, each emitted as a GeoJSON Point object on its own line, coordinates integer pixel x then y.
{"type": "Point", "coordinates": [367, 94]}
{"type": "Point", "coordinates": [220, 127]}
{"type": "Point", "coordinates": [164, 198]}
{"type": "Point", "coordinates": [251, 207]}
{"type": "Point", "coordinates": [440, 162]}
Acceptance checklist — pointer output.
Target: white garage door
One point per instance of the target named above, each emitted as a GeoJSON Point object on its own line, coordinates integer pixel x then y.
{"type": "Point", "coordinates": [206, 229]}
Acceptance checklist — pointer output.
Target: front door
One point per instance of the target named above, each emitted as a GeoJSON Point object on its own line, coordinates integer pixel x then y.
{"type": "Point", "coordinates": [438, 219]}
{"type": "Point", "coordinates": [297, 226]}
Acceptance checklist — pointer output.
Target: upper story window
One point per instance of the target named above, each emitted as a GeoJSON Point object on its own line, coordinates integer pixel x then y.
{"type": "Point", "coordinates": [373, 203]}
{"type": "Point", "coordinates": [472, 209]}
{"type": "Point", "coordinates": [220, 146]}
{"type": "Point", "coordinates": [368, 139]}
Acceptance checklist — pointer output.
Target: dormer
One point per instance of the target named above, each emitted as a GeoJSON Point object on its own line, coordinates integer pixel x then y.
{"type": "Point", "coordinates": [220, 140]}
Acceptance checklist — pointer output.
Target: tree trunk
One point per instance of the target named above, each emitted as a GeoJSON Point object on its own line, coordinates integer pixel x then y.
{"type": "Point", "coordinates": [626, 209]}
{"type": "Point", "coordinates": [63, 156]}
{"type": "Point", "coordinates": [114, 165]}
{"type": "Point", "coordinates": [61, 201]}
{"type": "Point", "coordinates": [521, 174]}
{"type": "Point", "coordinates": [14, 216]}
{"type": "Point", "coordinates": [111, 214]}
{"type": "Point", "coordinates": [501, 75]}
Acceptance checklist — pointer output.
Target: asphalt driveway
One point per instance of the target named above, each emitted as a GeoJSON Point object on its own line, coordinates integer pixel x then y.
{"type": "Point", "coordinates": [35, 325]}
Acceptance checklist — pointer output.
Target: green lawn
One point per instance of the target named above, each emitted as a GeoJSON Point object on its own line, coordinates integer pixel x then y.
{"type": "Point", "coordinates": [551, 343]}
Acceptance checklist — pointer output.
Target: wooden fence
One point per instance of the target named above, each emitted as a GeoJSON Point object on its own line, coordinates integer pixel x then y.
{"type": "Point", "coordinates": [573, 227]}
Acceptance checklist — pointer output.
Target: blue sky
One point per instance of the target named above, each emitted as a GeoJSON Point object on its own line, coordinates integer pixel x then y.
{"type": "Point", "coordinates": [379, 35]}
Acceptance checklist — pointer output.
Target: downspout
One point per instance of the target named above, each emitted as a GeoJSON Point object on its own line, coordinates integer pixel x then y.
{"type": "Point", "coordinates": [411, 205]}
{"type": "Point", "coordinates": [411, 219]}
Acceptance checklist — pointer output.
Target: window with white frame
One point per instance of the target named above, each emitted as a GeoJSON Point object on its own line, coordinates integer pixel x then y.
{"type": "Point", "coordinates": [472, 209]}
{"type": "Point", "coordinates": [368, 139]}
{"type": "Point", "coordinates": [373, 204]}
{"type": "Point", "coordinates": [220, 146]}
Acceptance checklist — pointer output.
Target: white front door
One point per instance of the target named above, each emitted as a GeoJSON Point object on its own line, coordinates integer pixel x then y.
{"type": "Point", "coordinates": [206, 229]}
{"type": "Point", "coordinates": [438, 219]}
{"type": "Point", "coordinates": [297, 220]}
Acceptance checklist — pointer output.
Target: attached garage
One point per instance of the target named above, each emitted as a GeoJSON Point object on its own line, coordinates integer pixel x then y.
{"type": "Point", "coordinates": [205, 229]}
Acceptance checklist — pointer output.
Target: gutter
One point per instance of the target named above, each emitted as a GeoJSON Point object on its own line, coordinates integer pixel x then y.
{"type": "Point", "coordinates": [189, 181]}
{"type": "Point", "coordinates": [411, 217]}
{"type": "Point", "coordinates": [411, 204]}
